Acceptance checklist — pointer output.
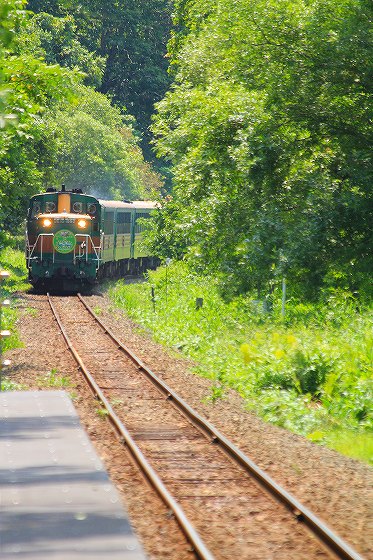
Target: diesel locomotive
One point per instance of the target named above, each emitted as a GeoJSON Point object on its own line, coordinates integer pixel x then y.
{"type": "Point", "coordinates": [74, 239]}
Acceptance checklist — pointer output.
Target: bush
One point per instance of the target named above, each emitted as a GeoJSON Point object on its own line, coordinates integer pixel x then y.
{"type": "Point", "coordinates": [310, 371]}
{"type": "Point", "coordinates": [14, 262]}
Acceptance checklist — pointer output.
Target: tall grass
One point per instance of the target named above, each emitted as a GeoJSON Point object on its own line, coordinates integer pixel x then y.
{"type": "Point", "coordinates": [13, 261]}
{"type": "Point", "coordinates": [310, 371]}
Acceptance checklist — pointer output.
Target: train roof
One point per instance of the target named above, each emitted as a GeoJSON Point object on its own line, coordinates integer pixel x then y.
{"type": "Point", "coordinates": [136, 204]}
{"type": "Point", "coordinates": [128, 205]}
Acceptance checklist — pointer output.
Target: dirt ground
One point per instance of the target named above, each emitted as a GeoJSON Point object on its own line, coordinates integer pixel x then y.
{"type": "Point", "coordinates": [336, 488]}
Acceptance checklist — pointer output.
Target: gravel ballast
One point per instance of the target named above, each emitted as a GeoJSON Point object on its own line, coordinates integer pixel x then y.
{"type": "Point", "coordinates": [335, 488]}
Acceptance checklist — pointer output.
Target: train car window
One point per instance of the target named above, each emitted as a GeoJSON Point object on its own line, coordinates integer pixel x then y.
{"type": "Point", "coordinates": [50, 207]}
{"type": "Point", "coordinates": [109, 223]}
{"type": "Point", "coordinates": [91, 208]}
{"type": "Point", "coordinates": [78, 207]}
{"type": "Point", "coordinates": [35, 209]}
{"type": "Point", "coordinates": [123, 222]}
{"type": "Point", "coordinates": [140, 227]}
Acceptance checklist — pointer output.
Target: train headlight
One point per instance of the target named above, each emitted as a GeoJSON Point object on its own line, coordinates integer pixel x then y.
{"type": "Point", "coordinates": [82, 223]}
{"type": "Point", "coordinates": [47, 222]}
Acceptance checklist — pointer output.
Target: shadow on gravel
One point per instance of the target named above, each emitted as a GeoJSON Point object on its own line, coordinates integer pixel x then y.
{"type": "Point", "coordinates": [56, 291]}
{"type": "Point", "coordinates": [96, 290]}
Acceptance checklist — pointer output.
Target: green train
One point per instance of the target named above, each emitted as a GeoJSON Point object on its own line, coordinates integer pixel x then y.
{"type": "Point", "coordinates": [74, 239]}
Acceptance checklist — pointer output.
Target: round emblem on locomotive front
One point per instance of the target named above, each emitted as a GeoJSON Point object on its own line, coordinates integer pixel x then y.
{"type": "Point", "coordinates": [64, 241]}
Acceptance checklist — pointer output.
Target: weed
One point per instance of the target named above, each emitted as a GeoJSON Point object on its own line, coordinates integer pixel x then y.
{"type": "Point", "coordinates": [102, 412]}
{"type": "Point", "coordinates": [354, 444]}
{"type": "Point", "coordinates": [116, 402]}
{"type": "Point", "coordinates": [309, 372]}
{"type": "Point", "coordinates": [296, 468]}
{"type": "Point", "coordinates": [14, 262]}
{"type": "Point", "coordinates": [53, 379]}
{"type": "Point", "coordinates": [31, 311]}
{"type": "Point", "coordinates": [217, 392]}
{"type": "Point", "coordinates": [7, 385]}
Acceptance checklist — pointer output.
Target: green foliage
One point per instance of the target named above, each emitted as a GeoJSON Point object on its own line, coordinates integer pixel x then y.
{"type": "Point", "coordinates": [55, 380]}
{"type": "Point", "coordinates": [63, 132]}
{"type": "Point", "coordinates": [311, 371]}
{"type": "Point", "coordinates": [12, 261]}
{"type": "Point", "coordinates": [31, 88]}
{"type": "Point", "coordinates": [352, 444]}
{"type": "Point", "coordinates": [311, 374]}
{"type": "Point", "coordinates": [54, 40]}
{"type": "Point", "coordinates": [102, 412]}
{"type": "Point", "coordinates": [8, 385]}
{"type": "Point", "coordinates": [131, 37]}
{"type": "Point", "coordinates": [95, 149]}
{"type": "Point", "coordinates": [270, 144]}
{"type": "Point", "coordinates": [10, 13]}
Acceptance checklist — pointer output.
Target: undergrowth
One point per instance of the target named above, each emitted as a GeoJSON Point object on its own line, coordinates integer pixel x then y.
{"type": "Point", "coordinates": [309, 372]}
{"type": "Point", "coordinates": [13, 261]}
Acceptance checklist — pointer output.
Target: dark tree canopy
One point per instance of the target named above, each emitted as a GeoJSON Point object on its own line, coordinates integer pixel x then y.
{"type": "Point", "coordinates": [132, 37]}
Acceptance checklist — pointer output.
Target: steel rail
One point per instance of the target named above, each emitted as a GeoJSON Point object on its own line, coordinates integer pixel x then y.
{"type": "Point", "coordinates": [333, 542]}
{"type": "Point", "coordinates": [199, 547]}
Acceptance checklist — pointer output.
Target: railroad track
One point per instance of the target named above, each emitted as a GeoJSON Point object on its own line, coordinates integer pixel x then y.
{"type": "Point", "coordinates": [225, 504]}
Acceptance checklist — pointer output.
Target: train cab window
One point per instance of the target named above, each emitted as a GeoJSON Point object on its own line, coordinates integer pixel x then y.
{"type": "Point", "coordinates": [123, 222]}
{"type": "Point", "coordinates": [78, 207]}
{"type": "Point", "coordinates": [109, 223]}
{"type": "Point", "coordinates": [91, 209]}
{"type": "Point", "coordinates": [35, 209]}
{"type": "Point", "coordinates": [50, 207]}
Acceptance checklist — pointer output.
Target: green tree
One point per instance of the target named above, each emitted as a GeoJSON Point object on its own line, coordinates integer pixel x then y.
{"type": "Point", "coordinates": [95, 149]}
{"type": "Point", "coordinates": [30, 87]}
{"type": "Point", "coordinates": [65, 132]}
{"type": "Point", "coordinates": [54, 39]}
{"type": "Point", "coordinates": [132, 37]}
{"type": "Point", "coordinates": [10, 13]}
{"type": "Point", "coordinates": [267, 127]}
